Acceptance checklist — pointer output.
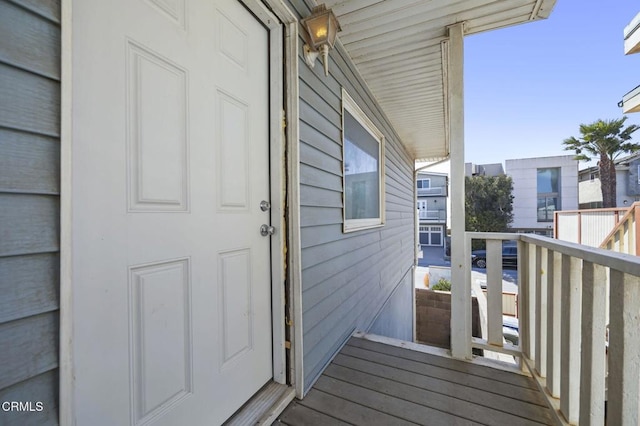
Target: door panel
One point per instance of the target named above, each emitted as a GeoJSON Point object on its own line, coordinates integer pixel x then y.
{"type": "Point", "coordinates": [171, 277]}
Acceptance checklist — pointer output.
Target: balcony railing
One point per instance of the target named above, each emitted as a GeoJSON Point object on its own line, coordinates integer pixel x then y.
{"type": "Point", "coordinates": [438, 215]}
{"type": "Point", "coordinates": [435, 191]}
{"type": "Point", "coordinates": [625, 237]}
{"type": "Point", "coordinates": [588, 227]}
{"type": "Point", "coordinates": [579, 320]}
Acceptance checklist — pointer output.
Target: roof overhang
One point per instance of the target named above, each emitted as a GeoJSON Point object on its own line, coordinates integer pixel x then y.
{"type": "Point", "coordinates": [398, 47]}
{"type": "Point", "coordinates": [632, 36]}
{"type": "Point", "coordinates": [631, 101]}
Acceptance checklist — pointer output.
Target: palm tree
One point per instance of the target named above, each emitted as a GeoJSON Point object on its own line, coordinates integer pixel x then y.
{"type": "Point", "coordinates": [604, 140]}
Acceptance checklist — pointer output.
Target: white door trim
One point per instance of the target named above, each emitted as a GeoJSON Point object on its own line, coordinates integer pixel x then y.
{"type": "Point", "coordinates": [284, 184]}
{"type": "Point", "coordinates": [292, 187]}
{"type": "Point", "coordinates": [66, 401]}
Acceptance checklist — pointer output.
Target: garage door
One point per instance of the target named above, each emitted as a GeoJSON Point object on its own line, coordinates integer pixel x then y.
{"type": "Point", "coordinates": [431, 235]}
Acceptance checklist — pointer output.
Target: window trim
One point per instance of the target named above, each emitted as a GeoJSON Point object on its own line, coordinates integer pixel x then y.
{"type": "Point", "coordinates": [428, 180]}
{"type": "Point", "coordinates": [352, 225]}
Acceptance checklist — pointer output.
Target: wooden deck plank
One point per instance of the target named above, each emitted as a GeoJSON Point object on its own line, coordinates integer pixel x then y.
{"type": "Point", "coordinates": [473, 381]}
{"type": "Point", "coordinates": [399, 408]}
{"type": "Point", "coordinates": [427, 398]}
{"type": "Point", "coordinates": [370, 383]}
{"type": "Point", "coordinates": [490, 402]}
{"type": "Point", "coordinates": [452, 364]}
{"type": "Point", "coordinates": [297, 414]}
{"type": "Point", "coordinates": [347, 410]}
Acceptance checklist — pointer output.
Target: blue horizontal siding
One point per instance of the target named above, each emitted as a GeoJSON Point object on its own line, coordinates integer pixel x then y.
{"type": "Point", "coordinates": [346, 278]}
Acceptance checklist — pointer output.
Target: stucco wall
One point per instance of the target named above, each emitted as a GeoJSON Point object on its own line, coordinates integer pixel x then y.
{"type": "Point", "coordinates": [524, 174]}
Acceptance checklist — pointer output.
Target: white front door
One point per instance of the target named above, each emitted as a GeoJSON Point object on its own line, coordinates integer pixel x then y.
{"type": "Point", "coordinates": [170, 164]}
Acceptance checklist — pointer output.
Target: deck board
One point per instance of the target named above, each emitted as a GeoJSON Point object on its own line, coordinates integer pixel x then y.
{"type": "Point", "coordinates": [431, 399]}
{"type": "Point", "coordinates": [452, 364]}
{"type": "Point", "coordinates": [370, 383]}
{"type": "Point", "coordinates": [464, 393]}
{"type": "Point", "coordinates": [473, 381]}
{"type": "Point", "coordinates": [300, 415]}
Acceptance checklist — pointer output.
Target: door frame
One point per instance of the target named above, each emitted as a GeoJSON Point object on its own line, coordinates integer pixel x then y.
{"type": "Point", "coordinates": [282, 25]}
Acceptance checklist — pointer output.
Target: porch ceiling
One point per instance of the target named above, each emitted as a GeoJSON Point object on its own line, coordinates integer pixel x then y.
{"type": "Point", "coordinates": [397, 47]}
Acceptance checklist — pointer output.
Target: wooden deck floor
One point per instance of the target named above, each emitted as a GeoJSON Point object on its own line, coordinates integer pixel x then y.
{"type": "Point", "coordinates": [371, 383]}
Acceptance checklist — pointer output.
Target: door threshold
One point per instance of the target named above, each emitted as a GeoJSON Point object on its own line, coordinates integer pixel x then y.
{"type": "Point", "coordinates": [264, 407]}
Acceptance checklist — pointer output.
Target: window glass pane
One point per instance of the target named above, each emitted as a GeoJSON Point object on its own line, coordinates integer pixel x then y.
{"type": "Point", "coordinates": [436, 239]}
{"type": "Point", "coordinates": [361, 171]}
{"type": "Point", "coordinates": [546, 207]}
{"type": "Point", "coordinates": [424, 183]}
{"type": "Point", "coordinates": [548, 180]}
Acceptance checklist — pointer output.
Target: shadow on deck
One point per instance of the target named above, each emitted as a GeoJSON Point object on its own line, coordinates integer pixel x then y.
{"type": "Point", "coordinates": [371, 383]}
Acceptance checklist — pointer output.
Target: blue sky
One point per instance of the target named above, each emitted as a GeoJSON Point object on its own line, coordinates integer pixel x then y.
{"type": "Point", "coordinates": [530, 86]}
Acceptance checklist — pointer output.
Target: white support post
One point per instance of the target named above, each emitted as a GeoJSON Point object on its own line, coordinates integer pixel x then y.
{"type": "Point", "coordinates": [460, 248]}
{"type": "Point", "coordinates": [554, 289]}
{"type": "Point", "coordinates": [494, 292]}
{"type": "Point", "coordinates": [624, 349]}
{"type": "Point", "coordinates": [541, 311]}
{"type": "Point", "coordinates": [592, 362]}
{"type": "Point", "coordinates": [570, 338]}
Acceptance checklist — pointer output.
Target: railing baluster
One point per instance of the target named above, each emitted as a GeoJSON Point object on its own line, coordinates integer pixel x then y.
{"type": "Point", "coordinates": [554, 289]}
{"type": "Point", "coordinates": [523, 298]}
{"type": "Point", "coordinates": [624, 350]}
{"type": "Point", "coordinates": [494, 292]}
{"type": "Point", "coordinates": [570, 338]}
{"type": "Point", "coordinates": [592, 364]}
{"type": "Point", "coordinates": [541, 311]}
{"type": "Point", "coordinates": [531, 297]}
{"type": "Point", "coordinates": [636, 228]}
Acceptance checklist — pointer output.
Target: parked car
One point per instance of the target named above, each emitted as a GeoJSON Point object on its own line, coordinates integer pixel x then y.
{"type": "Point", "coordinates": [509, 256]}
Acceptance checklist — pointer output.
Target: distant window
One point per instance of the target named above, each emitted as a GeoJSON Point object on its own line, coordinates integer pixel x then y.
{"type": "Point", "coordinates": [548, 181]}
{"type": "Point", "coordinates": [593, 176]}
{"type": "Point", "coordinates": [424, 183]}
{"type": "Point", "coordinates": [363, 160]}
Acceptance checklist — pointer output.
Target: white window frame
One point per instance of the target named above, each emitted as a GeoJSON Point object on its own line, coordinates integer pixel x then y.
{"type": "Point", "coordinates": [351, 225]}
{"type": "Point", "coordinates": [423, 180]}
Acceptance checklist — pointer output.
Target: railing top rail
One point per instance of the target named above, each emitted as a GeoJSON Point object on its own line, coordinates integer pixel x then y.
{"type": "Point", "coordinates": [622, 262]}
{"type": "Point", "coordinates": [493, 235]}
{"type": "Point", "coordinates": [601, 210]}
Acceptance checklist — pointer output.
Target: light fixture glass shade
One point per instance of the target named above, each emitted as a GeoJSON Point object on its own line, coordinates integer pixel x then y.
{"type": "Point", "coordinates": [322, 27]}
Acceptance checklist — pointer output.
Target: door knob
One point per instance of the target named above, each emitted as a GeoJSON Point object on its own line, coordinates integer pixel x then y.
{"type": "Point", "coordinates": [267, 230]}
{"type": "Point", "coordinates": [265, 205]}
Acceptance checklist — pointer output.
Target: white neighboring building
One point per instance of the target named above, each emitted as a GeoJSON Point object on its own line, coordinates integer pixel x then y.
{"type": "Point", "coordinates": [541, 186]}
{"type": "Point", "coordinates": [627, 184]}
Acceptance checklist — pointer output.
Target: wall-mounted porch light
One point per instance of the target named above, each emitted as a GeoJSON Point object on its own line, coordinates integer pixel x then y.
{"type": "Point", "coordinates": [322, 27]}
